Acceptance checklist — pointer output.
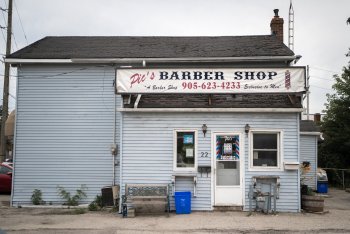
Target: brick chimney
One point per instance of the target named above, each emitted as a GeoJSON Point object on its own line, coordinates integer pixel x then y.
{"type": "Point", "coordinates": [277, 26]}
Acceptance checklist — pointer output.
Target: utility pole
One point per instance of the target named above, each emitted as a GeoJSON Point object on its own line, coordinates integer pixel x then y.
{"type": "Point", "coordinates": [6, 84]}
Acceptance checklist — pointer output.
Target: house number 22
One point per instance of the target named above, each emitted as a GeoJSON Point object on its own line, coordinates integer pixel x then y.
{"type": "Point", "coordinates": [204, 154]}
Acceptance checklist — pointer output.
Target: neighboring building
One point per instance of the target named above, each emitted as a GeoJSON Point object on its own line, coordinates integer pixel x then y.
{"type": "Point", "coordinates": [79, 99]}
{"type": "Point", "coordinates": [309, 137]}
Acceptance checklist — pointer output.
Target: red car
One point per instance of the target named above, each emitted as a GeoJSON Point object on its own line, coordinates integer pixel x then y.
{"type": "Point", "coordinates": [5, 178]}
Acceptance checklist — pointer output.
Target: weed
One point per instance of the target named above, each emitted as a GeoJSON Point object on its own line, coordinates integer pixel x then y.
{"type": "Point", "coordinates": [93, 206]}
{"type": "Point", "coordinates": [37, 197]}
{"type": "Point", "coordinates": [97, 204]}
{"type": "Point", "coordinates": [72, 200]}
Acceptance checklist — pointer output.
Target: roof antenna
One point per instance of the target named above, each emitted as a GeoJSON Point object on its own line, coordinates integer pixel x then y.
{"type": "Point", "coordinates": [291, 27]}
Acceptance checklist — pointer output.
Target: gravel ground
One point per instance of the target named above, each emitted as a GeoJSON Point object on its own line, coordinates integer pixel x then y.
{"type": "Point", "coordinates": [27, 220]}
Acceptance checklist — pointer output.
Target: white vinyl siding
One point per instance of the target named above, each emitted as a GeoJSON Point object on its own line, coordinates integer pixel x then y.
{"type": "Point", "coordinates": [148, 150]}
{"type": "Point", "coordinates": [64, 130]}
{"type": "Point", "coordinates": [308, 153]}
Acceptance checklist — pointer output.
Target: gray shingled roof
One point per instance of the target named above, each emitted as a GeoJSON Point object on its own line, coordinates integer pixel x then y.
{"type": "Point", "coordinates": [153, 47]}
{"type": "Point", "coordinates": [309, 126]}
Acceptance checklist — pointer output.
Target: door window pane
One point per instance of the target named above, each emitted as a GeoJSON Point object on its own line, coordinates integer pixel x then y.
{"type": "Point", "coordinates": [227, 173]}
{"type": "Point", "coordinates": [227, 147]}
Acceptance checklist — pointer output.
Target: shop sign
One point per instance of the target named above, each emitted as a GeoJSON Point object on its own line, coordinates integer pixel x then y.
{"type": "Point", "coordinates": [238, 80]}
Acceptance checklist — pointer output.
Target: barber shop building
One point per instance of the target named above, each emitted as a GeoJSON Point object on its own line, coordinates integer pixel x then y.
{"type": "Point", "coordinates": [217, 116]}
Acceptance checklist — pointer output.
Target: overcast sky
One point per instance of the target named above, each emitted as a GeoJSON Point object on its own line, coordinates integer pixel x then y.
{"type": "Point", "coordinates": [321, 34]}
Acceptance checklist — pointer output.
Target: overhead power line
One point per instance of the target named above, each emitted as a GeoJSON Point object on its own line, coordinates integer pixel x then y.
{"type": "Point", "coordinates": [3, 36]}
{"type": "Point", "coordinates": [20, 21]}
{"type": "Point", "coordinates": [321, 87]}
{"type": "Point", "coordinates": [322, 78]}
{"type": "Point", "coordinates": [14, 39]}
{"type": "Point", "coordinates": [323, 69]}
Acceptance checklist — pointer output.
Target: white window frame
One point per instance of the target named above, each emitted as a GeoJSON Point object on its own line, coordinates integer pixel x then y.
{"type": "Point", "coordinates": [279, 150]}
{"type": "Point", "coordinates": [185, 169]}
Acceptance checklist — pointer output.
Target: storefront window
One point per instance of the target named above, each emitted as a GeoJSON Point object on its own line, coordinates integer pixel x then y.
{"type": "Point", "coordinates": [185, 149]}
{"type": "Point", "coordinates": [266, 149]}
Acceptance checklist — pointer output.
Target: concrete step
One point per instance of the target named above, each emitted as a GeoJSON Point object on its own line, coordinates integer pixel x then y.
{"type": "Point", "coordinates": [228, 208]}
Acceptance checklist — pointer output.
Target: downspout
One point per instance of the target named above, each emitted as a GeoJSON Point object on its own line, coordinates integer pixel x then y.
{"type": "Point", "coordinates": [298, 152]}
{"type": "Point", "coordinates": [316, 161]}
{"type": "Point", "coordinates": [121, 162]}
{"type": "Point", "coordinates": [114, 146]}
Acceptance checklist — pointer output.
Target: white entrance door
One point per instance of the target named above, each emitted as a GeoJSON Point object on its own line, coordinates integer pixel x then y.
{"type": "Point", "coordinates": [228, 169]}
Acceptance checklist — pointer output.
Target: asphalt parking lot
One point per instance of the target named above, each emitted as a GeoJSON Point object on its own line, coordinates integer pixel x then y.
{"type": "Point", "coordinates": [35, 220]}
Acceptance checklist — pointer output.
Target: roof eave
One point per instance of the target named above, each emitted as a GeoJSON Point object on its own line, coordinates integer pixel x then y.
{"type": "Point", "coordinates": [288, 58]}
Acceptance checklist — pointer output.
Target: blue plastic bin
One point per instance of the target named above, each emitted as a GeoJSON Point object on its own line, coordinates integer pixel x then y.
{"type": "Point", "coordinates": [322, 186]}
{"type": "Point", "coordinates": [183, 202]}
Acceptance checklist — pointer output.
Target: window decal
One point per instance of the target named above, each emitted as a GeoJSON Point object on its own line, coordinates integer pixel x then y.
{"type": "Point", "coordinates": [227, 147]}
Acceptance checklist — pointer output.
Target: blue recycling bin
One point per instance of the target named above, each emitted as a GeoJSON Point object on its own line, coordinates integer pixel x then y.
{"type": "Point", "coordinates": [322, 186]}
{"type": "Point", "coordinates": [183, 202]}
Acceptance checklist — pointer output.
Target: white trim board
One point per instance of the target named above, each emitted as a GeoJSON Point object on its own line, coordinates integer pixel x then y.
{"type": "Point", "coordinates": [225, 110]}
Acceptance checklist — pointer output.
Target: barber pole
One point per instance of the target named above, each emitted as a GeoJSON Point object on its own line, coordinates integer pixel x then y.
{"type": "Point", "coordinates": [237, 148]}
{"type": "Point", "coordinates": [218, 155]}
{"type": "Point", "coordinates": [287, 80]}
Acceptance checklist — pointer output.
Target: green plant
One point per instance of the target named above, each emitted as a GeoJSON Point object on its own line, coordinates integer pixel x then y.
{"type": "Point", "coordinates": [72, 200]}
{"type": "Point", "coordinates": [97, 204]}
{"type": "Point", "coordinates": [37, 197]}
{"type": "Point", "coordinates": [98, 200]}
{"type": "Point", "coordinates": [93, 206]}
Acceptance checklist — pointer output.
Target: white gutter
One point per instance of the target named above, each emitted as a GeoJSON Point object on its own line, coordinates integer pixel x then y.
{"type": "Point", "coordinates": [311, 133]}
{"type": "Point", "coordinates": [201, 110]}
{"type": "Point", "coordinates": [158, 60]}
{"type": "Point", "coordinates": [12, 61]}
